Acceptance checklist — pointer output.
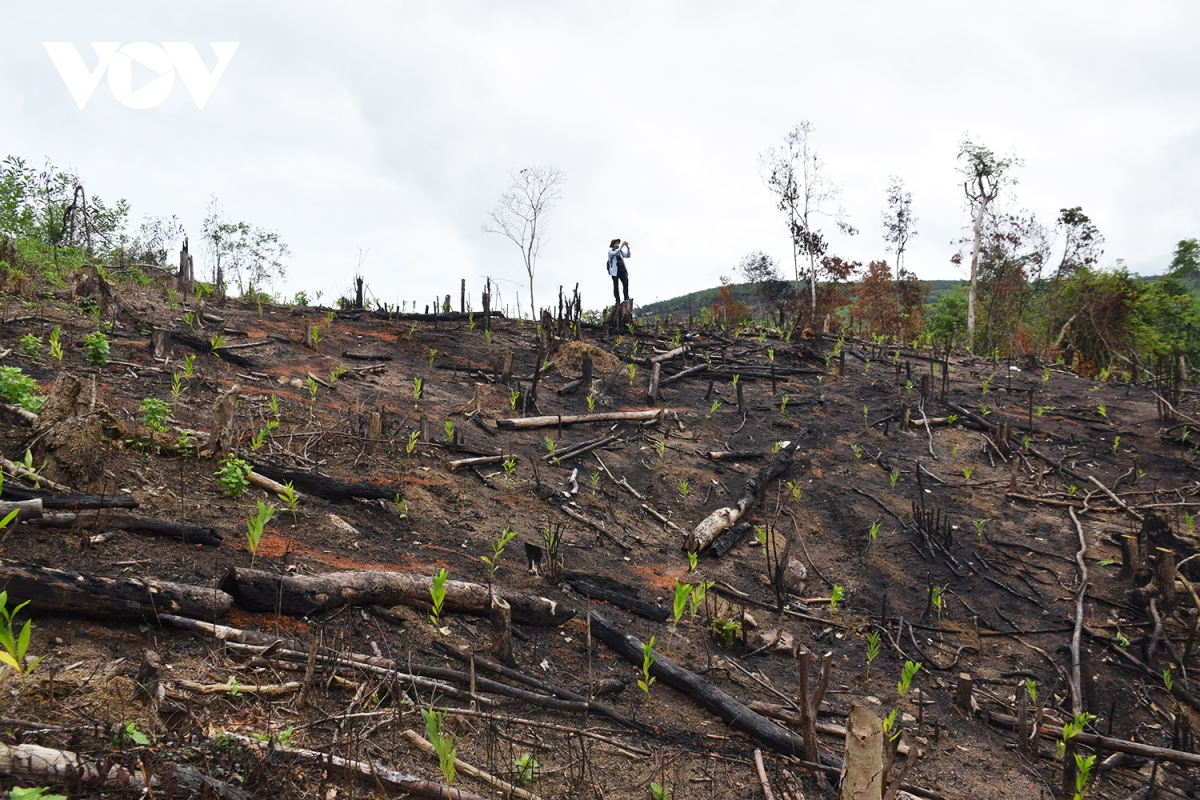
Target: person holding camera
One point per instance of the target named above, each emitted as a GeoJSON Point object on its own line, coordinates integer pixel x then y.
{"type": "Point", "coordinates": [618, 251]}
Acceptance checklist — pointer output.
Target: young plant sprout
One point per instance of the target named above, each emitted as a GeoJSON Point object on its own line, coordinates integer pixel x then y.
{"type": "Point", "coordinates": [510, 467]}
{"type": "Point", "coordinates": [693, 559]}
{"type": "Point", "coordinates": [950, 420]}
{"type": "Point", "coordinates": [448, 431]}
{"type": "Point", "coordinates": [437, 593]}
{"type": "Point", "coordinates": [683, 491]}
{"type": "Point", "coordinates": [793, 490]}
{"type": "Point", "coordinates": [967, 473]}
{"type": "Point", "coordinates": [857, 450]}
{"type": "Point", "coordinates": [713, 409]}
{"type": "Point", "coordinates": [979, 523]}
{"type": "Point", "coordinates": [937, 599]}
{"type": "Point", "coordinates": [312, 390]}
{"type": "Point", "coordinates": [56, 351]}
{"type": "Point", "coordinates": [595, 481]}
{"type": "Point", "coordinates": [874, 531]}
{"type": "Point", "coordinates": [515, 395]}
{"type": "Point", "coordinates": [290, 499]}
{"type": "Point", "coordinates": [895, 476]}
{"type": "Point", "coordinates": [1102, 411]}
{"type": "Point", "coordinates": [432, 355]}
{"type": "Point", "coordinates": [591, 403]}
{"type": "Point", "coordinates": [254, 528]}
{"type": "Point", "coordinates": [783, 404]}
{"type": "Point", "coordinates": [632, 372]}
{"type": "Point", "coordinates": [954, 449]}
{"type": "Point", "coordinates": [736, 378]}
{"type": "Point", "coordinates": [498, 546]}
{"type": "Point", "coordinates": [417, 384]}
{"type": "Point", "coordinates": [550, 446]}
{"type": "Point", "coordinates": [873, 647]}
{"type": "Point", "coordinates": [835, 597]}
{"type": "Point", "coordinates": [866, 415]}
{"type": "Point", "coordinates": [699, 591]}
{"type": "Point", "coordinates": [442, 741]}
{"type": "Point", "coordinates": [648, 659]}
{"type": "Point", "coordinates": [411, 444]}
{"type": "Point", "coordinates": [907, 673]}
{"type": "Point", "coordinates": [660, 447]}
{"type": "Point", "coordinates": [1116, 443]}
{"type": "Point", "coordinates": [682, 592]}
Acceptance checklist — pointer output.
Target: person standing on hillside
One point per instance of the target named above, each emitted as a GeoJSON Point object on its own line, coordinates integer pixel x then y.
{"type": "Point", "coordinates": [618, 251]}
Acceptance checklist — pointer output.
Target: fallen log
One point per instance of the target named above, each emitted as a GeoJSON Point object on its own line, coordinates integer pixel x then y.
{"type": "Point", "coordinates": [298, 595]}
{"type": "Point", "coordinates": [56, 591]}
{"type": "Point", "coordinates": [682, 374]}
{"type": "Point", "coordinates": [368, 356]}
{"type": "Point", "coordinates": [525, 423]}
{"type": "Point", "coordinates": [733, 712]}
{"type": "Point", "coordinates": [725, 518]}
{"type": "Point", "coordinates": [368, 770]}
{"type": "Point", "coordinates": [33, 763]}
{"type": "Point", "coordinates": [607, 590]}
{"type": "Point", "coordinates": [1048, 731]}
{"type": "Point", "coordinates": [667, 356]}
{"type": "Point", "coordinates": [53, 500]}
{"type": "Point", "coordinates": [327, 488]}
{"type": "Point", "coordinates": [477, 462]}
{"type": "Point", "coordinates": [733, 455]}
{"type": "Point", "coordinates": [188, 534]}
{"type": "Point", "coordinates": [26, 509]}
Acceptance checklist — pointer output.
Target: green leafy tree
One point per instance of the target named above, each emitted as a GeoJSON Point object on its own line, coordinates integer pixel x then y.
{"type": "Point", "coordinates": [984, 176]}
{"type": "Point", "coordinates": [251, 256]}
{"type": "Point", "coordinates": [1185, 262]}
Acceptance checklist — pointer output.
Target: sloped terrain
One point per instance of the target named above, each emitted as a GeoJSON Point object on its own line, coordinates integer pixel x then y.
{"type": "Point", "coordinates": [987, 585]}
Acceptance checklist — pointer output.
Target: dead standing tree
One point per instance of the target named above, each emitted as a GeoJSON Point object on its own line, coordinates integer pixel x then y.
{"type": "Point", "coordinates": [985, 176]}
{"type": "Point", "coordinates": [521, 215]}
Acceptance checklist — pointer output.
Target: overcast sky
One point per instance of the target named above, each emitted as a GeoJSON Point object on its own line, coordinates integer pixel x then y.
{"type": "Point", "coordinates": [392, 127]}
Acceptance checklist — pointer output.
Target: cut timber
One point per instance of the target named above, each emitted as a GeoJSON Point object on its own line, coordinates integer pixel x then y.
{"type": "Point", "coordinates": [274, 487]}
{"type": "Point", "coordinates": [723, 519]}
{"type": "Point", "coordinates": [60, 591]}
{"type": "Point", "coordinates": [477, 462]}
{"type": "Point", "coordinates": [737, 715]}
{"type": "Point", "coordinates": [188, 534]}
{"type": "Point", "coordinates": [523, 423]}
{"type": "Point", "coordinates": [667, 356]}
{"type": "Point", "coordinates": [683, 374]}
{"type": "Point", "coordinates": [327, 488]}
{"type": "Point", "coordinates": [297, 595]}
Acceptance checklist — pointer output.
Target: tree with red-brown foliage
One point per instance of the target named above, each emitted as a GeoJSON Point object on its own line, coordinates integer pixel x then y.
{"type": "Point", "coordinates": [889, 308]}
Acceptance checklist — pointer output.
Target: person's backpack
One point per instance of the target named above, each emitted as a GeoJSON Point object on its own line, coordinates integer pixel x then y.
{"type": "Point", "coordinates": [617, 261]}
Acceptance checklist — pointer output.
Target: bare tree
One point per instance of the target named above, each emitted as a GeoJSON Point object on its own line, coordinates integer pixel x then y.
{"type": "Point", "coordinates": [252, 255]}
{"type": "Point", "coordinates": [986, 175]}
{"type": "Point", "coordinates": [521, 214]}
{"type": "Point", "coordinates": [796, 176]}
{"type": "Point", "coordinates": [898, 221]}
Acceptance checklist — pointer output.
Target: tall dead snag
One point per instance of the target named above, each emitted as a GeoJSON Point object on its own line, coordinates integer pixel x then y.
{"type": "Point", "coordinates": [297, 595]}
{"type": "Point", "coordinates": [56, 591]}
{"type": "Point", "coordinates": [725, 518]}
{"type": "Point", "coordinates": [737, 715]}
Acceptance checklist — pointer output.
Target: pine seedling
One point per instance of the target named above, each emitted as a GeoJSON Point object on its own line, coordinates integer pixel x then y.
{"type": "Point", "coordinates": [873, 647]}
{"type": "Point", "coordinates": [437, 593]}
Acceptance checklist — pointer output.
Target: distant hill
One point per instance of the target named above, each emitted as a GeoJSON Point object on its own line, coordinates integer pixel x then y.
{"type": "Point", "coordinates": [744, 292]}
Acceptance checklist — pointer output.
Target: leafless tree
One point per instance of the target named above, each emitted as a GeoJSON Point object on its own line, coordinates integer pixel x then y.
{"type": "Point", "coordinates": [899, 224]}
{"type": "Point", "coordinates": [796, 176]}
{"type": "Point", "coordinates": [986, 175]}
{"type": "Point", "coordinates": [521, 214]}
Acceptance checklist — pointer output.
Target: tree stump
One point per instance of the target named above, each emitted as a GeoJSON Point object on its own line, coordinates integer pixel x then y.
{"type": "Point", "coordinates": [160, 343]}
{"type": "Point", "coordinates": [863, 778]}
{"type": "Point", "coordinates": [502, 646]}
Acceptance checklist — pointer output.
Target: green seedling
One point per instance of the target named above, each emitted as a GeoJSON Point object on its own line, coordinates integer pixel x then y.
{"type": "Point", "coordinates": [783, 404]}
{"type": "Point", "coordinates": [442, 741]}
{"type": "Point", "coordinates": [234, 689]}
{"type": "Point", "coordinates": [660, 447]}
{"type": "Point", "coordinates": [551, 446]}
{"type": "Point", "coordinates": [525, 765]}
{"type": "Point", "coordinates": [591, 403]}
{"type": "Point", "coordinates": [682, 592]}
{"type": "Point", "coordinates": [514, 395]}
{"type": "Point", "coordinates": [258, 439]}
{"type": "Point", "coordinates": [218, 341]}
{"type": "Point", "coordinates": [437, 593]}
{"type": "Point", "coordinates": [498, 546]}
{"type": "Point", "coordinates": [312, 390]}
{"type": "Point", "coordinates": [189, 319]}
{"type": "Point", "coordinates": [683, 491]}
{"type": "Point", "coordinates": [1122, 640]}
{"type": "Point", "coordinates": [713, 409]}
{"type": "Point", "coordinates": [56, 351]}
{"type": "Point", "coordinates": [233, 476]}
{"type": "Point", "coordinates": [836, 597]}
{"type": "Point", "coordinates": [1046, 374]}
{"type": "Point", "coordinates": [417, 384]}
{"type": "Point", "coordinates": [411, 444]}
{"type": "Point", "coordinates": [254, 528]}
{"type": "Point", "coordinates": [1072, 489]}
{"type": "Point", "coordinates": [1167, 679]}
{"type": "Point", "coordinates": [1073, 729]}
{"type": "Point", "coordinates": [31, 345]}
{"type": "Point", "coordinates": [984, 410]}
{"type": "Point", "coordinates": [15, 643]}
{"type": "Point", "coordinates": [725, 631]}
{"type": "Point", "coordinates": [867, 367]}
{"type": "Point", "coordinates": [335, 374]}
{"type": "Point", "coordinates": [856, 449]}
{"type": "Point", "coordinates": [967, 473]}
{"type": "Point", "coordinates": [330, 317]}
{"type": "Point", "coordinates": [736, 378]}
{"type": "Point", "coordinates": [632, 372]}
{"type": "Point", "coordinates": [979, 523]}
{"type": "Point", "coordinates": [907, 673]}
{"type": "Point", "coordinates": [659, 792]}
{"type": "Point", "coordinates": [908, 386]}
{"type": "Point", "coordinates": [771, 354]}
{"type": "Point", "coordinates": [189, 363]}
{"type": "Point", "coordinates": [775, 448]}
{"type": "Point", "coordinates": [1115, 444]}
{"type": "Point", "coordinates": [1083, 772]}
{"type": "Point", "coordinates": [648, 659]}
{"type": "Point", "coordinates": [488, 335]}
{"type": "Point", "coordinates": [1031, 690]}
{"type": "Point", "coordinates": [432, 355]}
{"type": "Point", "coordinates": [895, 476]}
{"type": "Point", "coordinates": [290, 499]}
{"type": "Point", "coordinates": [471, 320]}
{"type": "Point", "coordinates": [866, 415]}
{"type": "Point", "coordinates": [693, 560]}
{"type": "Point", "coordinates": [678, 338]}
{"type": "Point", "coordinates": [1102, 411]}
{"type": "Point", "coordinates": [33, 793]}
{"type": "Point", "coordinates": [1026, 441]}
{"type": "Point", "coordinates": [954, 449]}
{"type": "Point", "coordinates": [177, 387]}
{"type": "Point", "coordinates": [760, 534]}
{"type": "Point", "coordinates": [873, 647]}
{"type": "Point", "coordinates": [828, 359]}
{"type": "Point", "coordinates": [1043, 409]}
{"type": "Point", "coordinates": [510, 467]}
{"type": "Point", "coordinates": [129, 734]}
{"type": "Point", "coordinates": [1190, 521]}
{"type": "Point", "coordinates": [874, 530]}
{"type": "Point", "coordinates": [155, 413]}
{"type": "Point", "coordinates": [448, 431]}
{"type": "Point", "coordinates": [400, 504]}
{"type": "Point", "coordinates": [950, 420]}
{"type": "Point", "coordinates": [937, 599]}
{"type": "Point", "coordinates": [95, 347]}
{"type": "Point", "coordinates": [793, 490]}
{"type": "Point", "coordinates": [889, 722]}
